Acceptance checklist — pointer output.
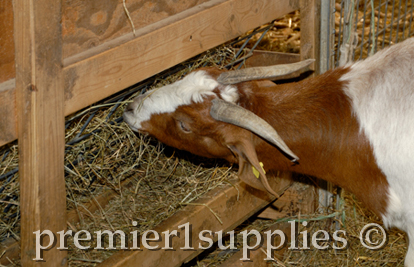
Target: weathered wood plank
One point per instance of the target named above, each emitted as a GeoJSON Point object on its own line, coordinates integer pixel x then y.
{"type": "Point", "coordinates": [87, 24]}
{"type": "Point", "coordinates": [40, 106]}
{"type": "Point", "coordinates": [163, 45]}
{"type": "Point", "coordinates": [232, 205]}
{"type": "Point", "coordinates": [7, 70]}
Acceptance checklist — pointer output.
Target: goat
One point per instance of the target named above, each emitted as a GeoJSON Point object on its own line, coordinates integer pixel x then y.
{"type": "Point", "coordinates": [352, 126]}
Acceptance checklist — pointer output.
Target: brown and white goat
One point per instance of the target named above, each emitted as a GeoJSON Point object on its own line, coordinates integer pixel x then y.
{"type": "Point", "coordinates": [353, 126]}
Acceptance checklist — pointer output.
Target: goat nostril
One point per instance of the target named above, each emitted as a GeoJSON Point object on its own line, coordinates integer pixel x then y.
{"type": "Point", "coordinates": [130, 107]}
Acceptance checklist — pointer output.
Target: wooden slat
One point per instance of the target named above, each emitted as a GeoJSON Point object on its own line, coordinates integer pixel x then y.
{"type": "Point", "coordinates": [106, 69]}
{"type": "Point", "coordinates": [40, 105]}
{"type": "Point", "coordinates": [232, 205]}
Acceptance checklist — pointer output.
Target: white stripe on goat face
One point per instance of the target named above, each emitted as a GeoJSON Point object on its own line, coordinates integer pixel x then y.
{"type": "Point", "coordinates": [192, 88]}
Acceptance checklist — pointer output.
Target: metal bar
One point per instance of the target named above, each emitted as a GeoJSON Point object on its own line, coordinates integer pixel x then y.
{"type": "Point", "coordinates": [392, 21]}
{"type": "Point", "coordinates": [385, 24]}
{"type": "Point", "coordinates": [405, 16]}
{"type": "Point", "coordinates": [339, 33]}
{"type": "Point", "coordinates": [356, 25]}
{"type": "Point", "coordinates": [370, 30]}
{"type": "Point", "coordinates": [363, 30]}
{"type": "Point", "coordinates": [255, 31]}
{"type": "Point", "coordinates": [398, 22]}
{"type": "Point", "coordinates": [255, 45]}
{"type": "Point", "coordinates": [378, 23]}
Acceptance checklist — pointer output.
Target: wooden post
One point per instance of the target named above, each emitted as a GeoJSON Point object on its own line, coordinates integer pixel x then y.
{"type": "Point", "coordinates": [310, 47]}
{"type": "Point", "coordinates": [40, 106]}
{"type": "Point", "coordinates": [310, 31]}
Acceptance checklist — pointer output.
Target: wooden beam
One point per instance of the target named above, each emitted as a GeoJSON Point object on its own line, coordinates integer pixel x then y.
{"type": "Point", "coordinates": [40, 106]}
{"type": "Point", "coordinates": [310, 31]}
{"type": "Point", "coordinates": [232, 205]}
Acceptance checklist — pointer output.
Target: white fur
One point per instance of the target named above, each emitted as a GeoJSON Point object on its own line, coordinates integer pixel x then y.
{"type": "Point", "coordinates": [192, 88]}
{"type": "Point", "coordinates": [381, 89]}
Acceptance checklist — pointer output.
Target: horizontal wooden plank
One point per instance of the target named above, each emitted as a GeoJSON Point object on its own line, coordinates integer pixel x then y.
{"type": "Point", "coordinates": [232, 205]}
{"type": "Point", "coordinates": [87, 24]}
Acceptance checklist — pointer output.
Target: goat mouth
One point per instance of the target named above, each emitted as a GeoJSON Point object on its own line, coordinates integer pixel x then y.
{"type": "Point", "coordinates": [138, 131]}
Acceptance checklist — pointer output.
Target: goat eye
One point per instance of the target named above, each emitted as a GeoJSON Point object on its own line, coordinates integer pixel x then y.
{"type": "Point", "coordinates": [184, 127]}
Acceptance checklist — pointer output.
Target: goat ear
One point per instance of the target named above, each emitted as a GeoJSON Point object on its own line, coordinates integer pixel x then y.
{"type": "Point", "coordinates": [247, 157]}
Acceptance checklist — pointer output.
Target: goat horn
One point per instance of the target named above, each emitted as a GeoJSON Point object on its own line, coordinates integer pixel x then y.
{"type": "Point", "coordinates": [257, 73]}
{"type": "Point", "coordinates": [231, 113]}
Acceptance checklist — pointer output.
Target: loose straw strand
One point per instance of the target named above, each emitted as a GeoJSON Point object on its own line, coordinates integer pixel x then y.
{"type": "Point", "coordinates": [129, 17]}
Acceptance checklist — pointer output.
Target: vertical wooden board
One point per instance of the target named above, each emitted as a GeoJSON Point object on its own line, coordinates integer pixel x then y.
{"type": "Point", "coordinates": [39, 98]}
{"type": "Point", "coordinates": [87, 24]}
{"type": "Point", "coordinates": [7, 70]}
{"type": "Point", "coordinates": [310, 31]}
